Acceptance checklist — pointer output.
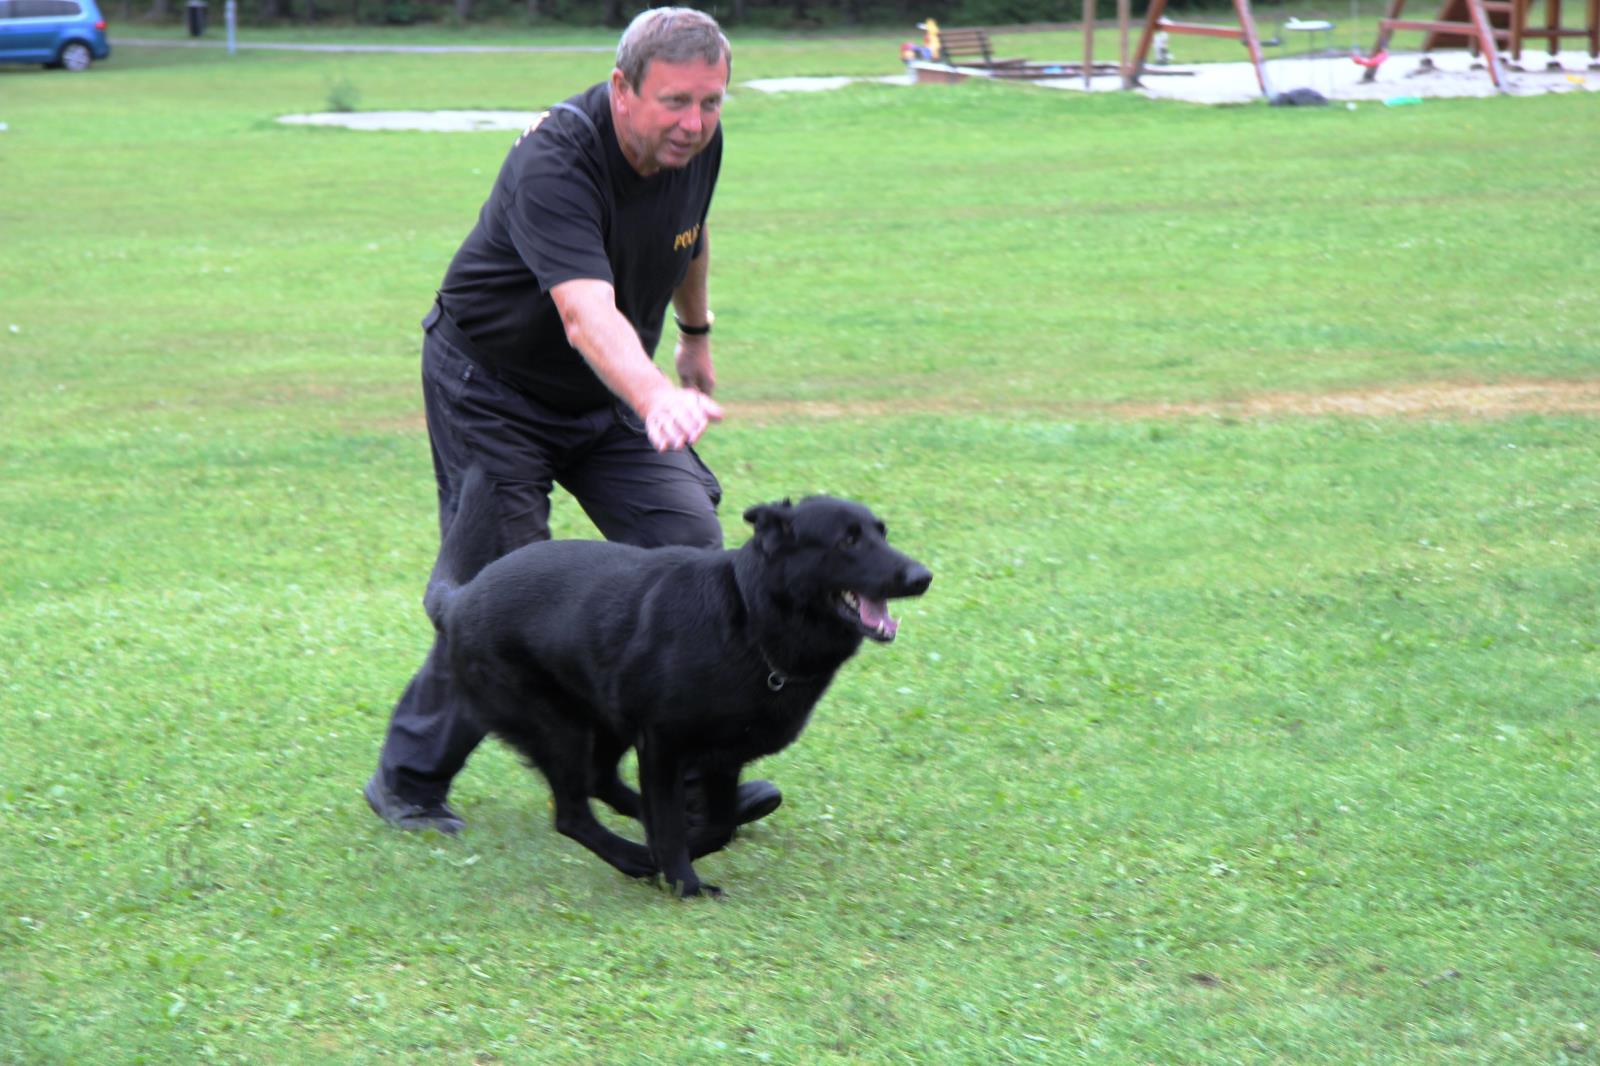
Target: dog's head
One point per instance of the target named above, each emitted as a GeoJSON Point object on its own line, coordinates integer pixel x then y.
{"type": "Point", "coordinates": [833, 559]}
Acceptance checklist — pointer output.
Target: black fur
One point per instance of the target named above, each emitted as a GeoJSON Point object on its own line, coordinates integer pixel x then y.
{"type": "Point", "coordinates": [701, 660]}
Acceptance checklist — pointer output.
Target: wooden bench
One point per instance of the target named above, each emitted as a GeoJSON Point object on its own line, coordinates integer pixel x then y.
{"type": "Point", "coordinates": [973, 44]}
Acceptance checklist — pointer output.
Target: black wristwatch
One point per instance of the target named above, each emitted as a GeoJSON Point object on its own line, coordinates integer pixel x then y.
{"type": "Point", "coordinates": [695, 331]}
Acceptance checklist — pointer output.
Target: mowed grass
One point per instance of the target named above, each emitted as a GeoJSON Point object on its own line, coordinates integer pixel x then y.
{"type": "Point", "coordinates": [1215, 740]}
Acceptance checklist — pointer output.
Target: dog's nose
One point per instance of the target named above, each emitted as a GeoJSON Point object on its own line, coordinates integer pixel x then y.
{"type": "Point", "coordinates": [915, 579]}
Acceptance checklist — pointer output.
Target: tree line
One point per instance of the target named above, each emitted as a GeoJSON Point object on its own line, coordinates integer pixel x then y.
{"type": "Point", "coordinates": [796, 14]}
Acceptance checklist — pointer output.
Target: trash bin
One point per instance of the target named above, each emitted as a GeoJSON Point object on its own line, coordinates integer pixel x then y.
{"type": "Point", "coordinates": [197, 17]}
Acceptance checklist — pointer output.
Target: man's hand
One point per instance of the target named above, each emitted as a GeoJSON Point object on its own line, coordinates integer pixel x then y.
{"type": "Point", "coordinates": [673, 417]}
{"type": "Point", "coordinates": [678, 417]}
{"type": "Point", "coordinates": [693, 359]}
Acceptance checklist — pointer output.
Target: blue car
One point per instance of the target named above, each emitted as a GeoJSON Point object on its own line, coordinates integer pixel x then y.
{"type": "Point", "coordinates": [55, 33]}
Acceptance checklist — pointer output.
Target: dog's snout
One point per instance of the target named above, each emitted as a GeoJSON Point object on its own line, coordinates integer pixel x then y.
{"type": "Point", "coordinates": [915, 579]}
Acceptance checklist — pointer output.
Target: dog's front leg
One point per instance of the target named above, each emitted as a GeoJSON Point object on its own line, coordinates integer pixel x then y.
{"type": "Point", "coordinates": [661, 770]}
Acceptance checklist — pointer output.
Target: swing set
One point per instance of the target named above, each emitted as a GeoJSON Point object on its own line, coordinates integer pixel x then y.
{"type": "Point", "coordinates": [1480, 25]}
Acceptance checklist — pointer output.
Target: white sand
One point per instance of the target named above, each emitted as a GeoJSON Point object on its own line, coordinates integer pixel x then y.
{"type": "Point", "coordinates": [1337, 78]}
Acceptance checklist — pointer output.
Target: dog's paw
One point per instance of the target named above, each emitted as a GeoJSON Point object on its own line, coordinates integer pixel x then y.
{"type": "Point", "coordinates": [697, 889]}
{"type": "Point", "coordinates": [705, 891]}
{"type": "Point", "coordinates": [635, 860]}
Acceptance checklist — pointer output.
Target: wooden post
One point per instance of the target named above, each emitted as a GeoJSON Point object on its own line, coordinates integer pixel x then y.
{"type": "Point", "coordinates": [1252, 43]}
{"type": "Point", "coordinates": [1385, 31]}
{"type": "Point", "coordinates": [1491, 51]}
{"type": "Point", "coordinates": [1130, 77]}
{"type": "Point", "coordinates": [1088, 43]}
{"type": "Point", "coordinates": [1154, 23]}
{"type": "Point", "coordinates": [1519, 26]}
{"type": "Point", "coordinates": [1123, 14]}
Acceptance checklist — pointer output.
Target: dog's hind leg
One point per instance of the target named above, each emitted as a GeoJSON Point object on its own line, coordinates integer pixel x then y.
{"type": "Point", "coordinates": [608, 785]}
{"type": "Point", "coordinates": [575, 819]}
{"type": "Point", "coordinates": [570, 781]}
{"type": "Point", "coordinates": [563, 751]}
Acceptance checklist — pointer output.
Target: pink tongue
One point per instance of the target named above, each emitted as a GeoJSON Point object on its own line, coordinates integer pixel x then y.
{"type": "Point", "coordinates": [875, 616]}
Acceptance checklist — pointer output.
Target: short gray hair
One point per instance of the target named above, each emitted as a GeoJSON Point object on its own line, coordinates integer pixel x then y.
{"type": "Point", "coordinates": [672, 35]}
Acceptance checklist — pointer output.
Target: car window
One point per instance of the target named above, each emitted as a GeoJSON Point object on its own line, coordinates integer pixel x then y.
{"type": "Point", "coordinates": [44, 9]}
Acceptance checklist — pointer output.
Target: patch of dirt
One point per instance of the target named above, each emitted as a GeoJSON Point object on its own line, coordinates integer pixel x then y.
{"type": "Point", "coordinates": [1444, 399]}
{"type": "Point", "coordinates": [1421, 400]}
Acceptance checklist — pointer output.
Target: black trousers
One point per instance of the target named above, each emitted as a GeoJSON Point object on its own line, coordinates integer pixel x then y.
{"type": "Point", "coordinates": [631, 492]}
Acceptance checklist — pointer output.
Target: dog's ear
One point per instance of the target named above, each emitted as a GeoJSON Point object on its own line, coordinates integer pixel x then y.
{"type": "Point", "coordinates": [774, 524]}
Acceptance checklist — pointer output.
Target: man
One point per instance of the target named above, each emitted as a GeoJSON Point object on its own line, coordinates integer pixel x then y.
{"type": "Point", "coordinates": [536, 356]}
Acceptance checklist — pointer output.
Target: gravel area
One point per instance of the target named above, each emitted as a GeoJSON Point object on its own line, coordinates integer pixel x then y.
{"type": "Point", "coordinates": [1403, 79]}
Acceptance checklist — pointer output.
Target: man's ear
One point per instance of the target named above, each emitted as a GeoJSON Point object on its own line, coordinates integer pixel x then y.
{"type": "Point", "coordinates": [774, 524]}
{"type": "Point", "coordinates": [619, 90]}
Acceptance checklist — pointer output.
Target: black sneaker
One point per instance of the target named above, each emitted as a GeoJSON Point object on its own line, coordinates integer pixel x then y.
{"type": "Point", "coordinates": [756, 800]}
{"type": "Point", "coordinates": [410, 816]}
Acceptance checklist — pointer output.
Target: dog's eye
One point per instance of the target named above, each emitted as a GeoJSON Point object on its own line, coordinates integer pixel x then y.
{"type": "Point", "coordinates": [851, 538]}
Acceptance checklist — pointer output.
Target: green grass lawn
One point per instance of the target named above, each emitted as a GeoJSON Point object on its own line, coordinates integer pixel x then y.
{"type": "Point", "coordinates": [1216, 740]}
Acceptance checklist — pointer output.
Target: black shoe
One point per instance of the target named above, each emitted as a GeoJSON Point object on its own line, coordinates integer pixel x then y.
{"type": "Point", "coordinates": [402, 815]}
{"type": "Point", "coordinates": [755, 801]}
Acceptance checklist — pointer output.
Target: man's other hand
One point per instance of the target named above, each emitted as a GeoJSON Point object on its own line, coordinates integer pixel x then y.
{"type": "Point", "coordinates": [693, 359]}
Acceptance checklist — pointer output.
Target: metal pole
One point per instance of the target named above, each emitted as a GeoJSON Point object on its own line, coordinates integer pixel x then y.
{"type": "Point", "coordinates": [231, 17]}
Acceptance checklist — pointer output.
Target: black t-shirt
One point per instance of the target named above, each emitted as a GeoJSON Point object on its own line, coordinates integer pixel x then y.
{"type": "Point", "coordinates": [568, 205]}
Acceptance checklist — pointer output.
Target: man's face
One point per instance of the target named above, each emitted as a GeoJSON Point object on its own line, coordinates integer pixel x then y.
{"type": "Point", "coordinates": [673, 115]}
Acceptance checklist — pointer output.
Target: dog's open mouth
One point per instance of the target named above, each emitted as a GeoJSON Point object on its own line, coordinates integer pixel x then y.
{"type": "Point", "coordinates": [871, 615]}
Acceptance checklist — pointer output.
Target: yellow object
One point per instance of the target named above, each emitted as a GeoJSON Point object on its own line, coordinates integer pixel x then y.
{"type": "Point", "coordinates": [930, 38]}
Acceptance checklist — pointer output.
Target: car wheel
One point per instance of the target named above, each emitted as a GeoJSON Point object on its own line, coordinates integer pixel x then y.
{"type": "Point", "coordinates": [75, 55]}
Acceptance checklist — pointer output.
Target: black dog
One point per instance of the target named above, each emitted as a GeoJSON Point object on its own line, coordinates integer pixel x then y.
{"type": "Point", "coordinates": [700, 660]}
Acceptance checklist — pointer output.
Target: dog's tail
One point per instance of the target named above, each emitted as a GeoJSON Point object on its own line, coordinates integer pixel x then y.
{"type": "Point", "coordinates": [471, 543]}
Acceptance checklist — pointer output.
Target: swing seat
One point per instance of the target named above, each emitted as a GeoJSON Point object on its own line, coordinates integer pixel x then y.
{"type": "Point", "coordinates": [1371, 62]}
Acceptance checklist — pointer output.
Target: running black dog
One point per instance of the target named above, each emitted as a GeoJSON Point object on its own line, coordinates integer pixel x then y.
{"type": "Point", "coordinates": [700, 660]}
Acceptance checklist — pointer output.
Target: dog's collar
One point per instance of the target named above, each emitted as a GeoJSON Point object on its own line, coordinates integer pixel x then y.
{"type": "Point", "coordinates": [777, 679]}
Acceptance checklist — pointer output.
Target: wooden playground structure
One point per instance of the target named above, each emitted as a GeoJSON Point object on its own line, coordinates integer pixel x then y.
{"type": "Point", "coordinates": [1482, 25]}
{"type": "Point", "coordinates": [1490, 29]}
